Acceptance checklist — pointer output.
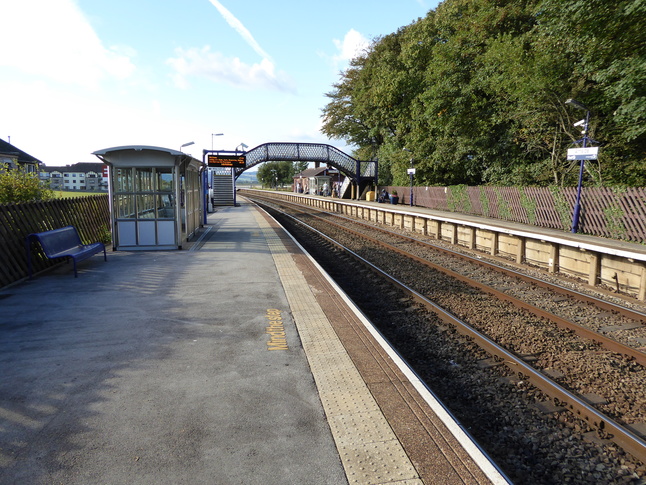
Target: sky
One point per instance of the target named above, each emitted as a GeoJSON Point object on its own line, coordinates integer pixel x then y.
{"type": "Point", "coordinates": [78, 76]}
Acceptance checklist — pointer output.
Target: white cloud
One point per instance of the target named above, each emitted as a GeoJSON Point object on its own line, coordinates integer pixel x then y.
{"type": "Point", "coordinates": [350, 47]}
{"type": "Point", "coordinates": [202, 63]}
{"type": "Point", "coordinates": [53, 39]}
{"type": "Point", "coordinates": [197, 62]}
{"type": "Point", "coordinates": [241, 29]}
{"type": "Point", "coordinates": [85, 123]}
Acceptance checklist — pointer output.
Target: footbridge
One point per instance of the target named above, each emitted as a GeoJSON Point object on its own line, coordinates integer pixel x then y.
{"type": "Point", "coordinates": [361, 173]}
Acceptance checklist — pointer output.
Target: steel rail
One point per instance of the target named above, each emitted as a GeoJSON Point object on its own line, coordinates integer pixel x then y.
{"type": "Point", "coordinates": [602, 304]}
{"type": "Point", "coordinates": [598, 302]}
{"type": "Point", "coordinates": [607, 342]}
{"type": "Point", "coordinates": [603, 340]}
{"type": "Point", "coordinates": [625, 438]}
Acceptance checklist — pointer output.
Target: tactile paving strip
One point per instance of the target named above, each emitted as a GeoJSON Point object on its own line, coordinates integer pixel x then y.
{"type": "Point", "coordinates": [369, 450]}
{"type": "Point", "coordinates": [378, 462]}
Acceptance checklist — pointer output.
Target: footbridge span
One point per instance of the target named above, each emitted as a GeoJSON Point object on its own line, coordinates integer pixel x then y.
{"type": "Point", "coordinates": [361, 173]}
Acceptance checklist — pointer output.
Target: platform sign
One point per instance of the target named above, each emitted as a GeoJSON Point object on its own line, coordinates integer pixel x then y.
{"type": "Point", "coordinates": [235, 161]}
{"type": "Point", "coordinates": [589, 153]}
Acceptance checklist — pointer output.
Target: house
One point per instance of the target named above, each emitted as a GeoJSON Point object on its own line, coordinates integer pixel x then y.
{"type": "Point", "coordinates": [14, 158]}
{"type": "Point", "coordinates": [79, 176]}
{"type": "Point", "coordinates": [317, 181]}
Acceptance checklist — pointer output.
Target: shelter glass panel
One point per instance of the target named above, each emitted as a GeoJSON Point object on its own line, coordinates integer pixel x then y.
{"type": "Point", "coordinates": [165, 206]}
{"type": "Point", "coordinates": [123, 180]}
{"type": "Point", "coordinates": [144, 180]}
{"type": "Point", "coordinates": [145, 206]}
{"type": "Point", "coordinates": [164, 178]}
{"type": "Point", "coordinates": [125, 206]}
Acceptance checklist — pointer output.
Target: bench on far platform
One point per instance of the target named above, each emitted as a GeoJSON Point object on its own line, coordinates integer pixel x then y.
{"type": "Point", "coordinates": [63, 243]}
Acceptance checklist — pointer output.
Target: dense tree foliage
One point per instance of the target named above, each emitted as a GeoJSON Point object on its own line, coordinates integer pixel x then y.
{"type": "Point", "coordinates": [476, 91]}
{"type": "Point", "coordinates": [18, 185]}
{"type": "Point", "coordinates": [279, 174]}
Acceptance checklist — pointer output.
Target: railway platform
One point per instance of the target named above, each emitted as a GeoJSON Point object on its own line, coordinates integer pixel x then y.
{"type": "Point", "coordinates": [609, 246]}
{"type": "Point", "coordinates": [234, 361]}
{"type": "Point", "coordinates": [600, 262]}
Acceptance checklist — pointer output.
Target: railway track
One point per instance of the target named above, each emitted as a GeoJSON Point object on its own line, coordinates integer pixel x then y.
{"type": "Point", "coordinates": [530, 344]}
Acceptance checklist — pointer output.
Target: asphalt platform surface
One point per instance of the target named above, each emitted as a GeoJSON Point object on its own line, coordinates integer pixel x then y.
{"type": "Point", "coordinates": [156, 367]}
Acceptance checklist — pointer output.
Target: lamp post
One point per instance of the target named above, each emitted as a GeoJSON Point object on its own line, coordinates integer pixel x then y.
{"type": "Point", "coordinates": [274, 174]}
{"type": "Point", "coordinates": [186, 145]}
{"type": "Point", "coordinates": [577, 206]}
{"type": "Point", "coordinates": [233, 174]}
{"type": "Point", "coordinates": [411, 172]}
{"type": "Point", "coordinates": [212, 135]}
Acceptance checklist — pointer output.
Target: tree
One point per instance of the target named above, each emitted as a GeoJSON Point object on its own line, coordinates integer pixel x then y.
{"type": "Point", "coordinates": [476, 91]}
{"type": "Point", "coordinates": [459, 136]}
{"type": "Point", "coordinates": [341, 116]}
{"type": "Point", "coordinates": [18, 185]}
{"type": "Point", "coordinates": [529, 77]}
{"type": "Point", "coordinates": [607, 42]}
{"type": "Point", "coordinates": [300, 167]}
{"type": "Point", "coordinates": [274, 174]}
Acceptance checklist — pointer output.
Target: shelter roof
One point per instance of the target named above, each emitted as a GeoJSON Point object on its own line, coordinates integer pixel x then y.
{"type": "Point", "coordinates": [138, 148]}
{"type": "Point", "coordinates": [146, 155]}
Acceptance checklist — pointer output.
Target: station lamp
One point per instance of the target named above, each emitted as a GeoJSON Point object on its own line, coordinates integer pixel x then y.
{"type": "Point", "coordinates": [577, 205]}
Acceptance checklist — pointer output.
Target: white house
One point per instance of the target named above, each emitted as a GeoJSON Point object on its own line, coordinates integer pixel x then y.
{"type": "Point", "coordinates": [79, 176]}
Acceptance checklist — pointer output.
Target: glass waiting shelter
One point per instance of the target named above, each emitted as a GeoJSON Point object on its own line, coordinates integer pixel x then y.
{"type": "Point", "coordinates": [155, 196]}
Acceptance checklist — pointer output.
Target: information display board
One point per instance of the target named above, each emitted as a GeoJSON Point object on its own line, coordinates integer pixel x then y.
{"type": "Point", "coordinates": [235, 161]}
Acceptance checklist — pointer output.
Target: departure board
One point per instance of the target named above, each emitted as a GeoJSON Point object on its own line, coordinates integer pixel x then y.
{"type": "Point", "coordinates": [235, 161]}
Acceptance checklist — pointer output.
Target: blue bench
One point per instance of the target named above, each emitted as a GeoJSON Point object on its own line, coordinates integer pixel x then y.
{"type": "Point", "coordinates": [63, 243]}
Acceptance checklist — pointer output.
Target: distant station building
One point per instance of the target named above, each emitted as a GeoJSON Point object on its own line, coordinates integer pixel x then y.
{"type": "Point", "coordinates": [317, 181]}
{"type": "Point", "coordinates": [155, 195]}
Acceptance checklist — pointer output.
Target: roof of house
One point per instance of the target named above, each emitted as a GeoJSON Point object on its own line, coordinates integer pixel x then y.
{"type": "Point", "coordinates": [312, 172]}
{"type": "Point", "coordinates": [8, 149]}
{"type": "Point", "coordinates": [77, 167]}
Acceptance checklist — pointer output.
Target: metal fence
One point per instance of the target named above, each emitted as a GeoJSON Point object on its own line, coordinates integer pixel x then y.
{"type": "Point", "coordinates": [605, 212]}
{"type": "Point", "coordinates": [90, 215]}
